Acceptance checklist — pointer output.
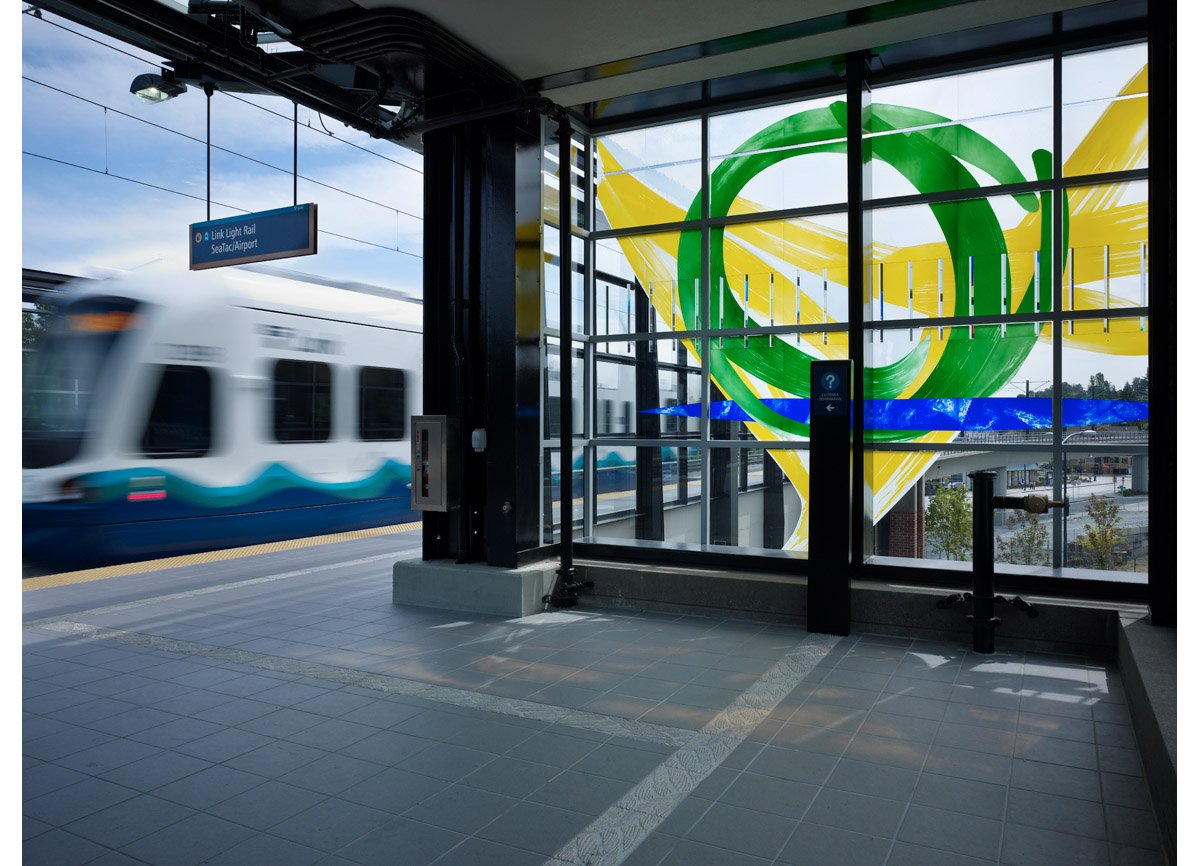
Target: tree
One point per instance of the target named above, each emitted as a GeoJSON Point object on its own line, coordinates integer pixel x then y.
{"type": "Point", "coordinates": [33, 325]}
{"type": "Point", "coordinates": [948, 522]}
{"type": "Point", "coordinates": [1103, 543]}
{"type": "Point", "coordinates": [1099, 388]}
{"type": "Point", "coordinates": [1029, 542]}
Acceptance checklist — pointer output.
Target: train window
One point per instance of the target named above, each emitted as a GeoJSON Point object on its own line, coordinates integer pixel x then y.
{"type": "Point", "coordinates": [303, 397]}
{"type": "Point", "coordinates": [380, 403]}
{"type": "Point", "coordinates": [180, 422]}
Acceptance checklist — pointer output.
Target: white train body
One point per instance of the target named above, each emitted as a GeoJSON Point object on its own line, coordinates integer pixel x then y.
{"type": "Point", "coordinates": [308, 388]}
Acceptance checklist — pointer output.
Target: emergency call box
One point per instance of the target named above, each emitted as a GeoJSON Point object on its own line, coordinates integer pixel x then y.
{"type": "Point", "coordinates": [429, 435]}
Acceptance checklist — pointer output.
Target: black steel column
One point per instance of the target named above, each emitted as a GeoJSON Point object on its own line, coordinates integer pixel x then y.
{"type": "Point", "coordinates": [772, 503]}
{"type": "Point", "coordinates": [983, 563]}
{"type": "Point", "coordinates": [1164, 327]}
{"type": "Point", "coordinates": [649, 459]}
{"type": "Point", "coordinates": [470, 348]}
{"type": "Point", "coordinates": [722, 481]}
{"type": "Point", "coordinates": [829, 499]}
{"type": "Point", "coordinates": [856, 251]}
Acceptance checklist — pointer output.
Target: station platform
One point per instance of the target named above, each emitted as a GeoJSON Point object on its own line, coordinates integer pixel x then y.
{"type": "Point", "coordinates": [281, 709]}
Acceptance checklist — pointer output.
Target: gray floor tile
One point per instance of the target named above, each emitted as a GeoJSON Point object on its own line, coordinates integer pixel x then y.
{"type": "Point", "coordinates": [420, 843]}
{"type": "Point", "coordinates": [67, 742]}
{"type": "Point", "coordinates": [905, 754]}
{"type": "Point", "coordinates": [98, 760]}
{"type": "Point", "coordinates": [793, 764]}
{"type": "Point", "coordinates": [743, 830]}
{"type": "Point", "coordinates": [855, 812]}
{"type": "Point", "coordinates": [580, 792]}
{"type": "Point", "coordinates": [475, 851]}
{"type": "Point", "coordinates": [1122, 790]}
{"type": "Point", "coordinates": [266, 805]}
{"type": "Point", "coordinates": [986, 717]}
{"type": "Point", "coordinates": [1124, 855]}
{"type": "Point", "coordinates": [387, 748]}
{"type": "Point", "coordinates": [911, 729]}
{"type": "Point", "coordinates": [770, 795]}
{"type": "Point", "coordinates": [445, 761]}
{"type": "Point", "coordinates": [276, 759]}
{"type": "Point", "coordinates": [117, 826]}
{"type": "Point", "coordinates": [60, 848]}
{"type": "Point", "coordinates": [1056, 779]}
{"type": "Point", "coordinates": [535, 827]}
{"type": "Point", "coordinates": [44, 778]}
{"type": "Point", "coordinates": [976, 738]}
{"type": "Point", "coordinates": [133, 721]}
{"type": "Point", "coordinates": [332, 735]}
{"type": "Point", "coordinates": [511, 777]}
{"type": "Point", "coordinates": [951, 831]}
{"type": "Point", "coordinates": [619, 762]}
{"type": "Point", "coordinates": [1114, 759]}
{"type": "Point", "coordinates": [74, 801]}
{"type": "Point", "coordinates": [331, 774]}
{"type": "Point", "coordinates": [1056, 812]}
{"type": "Point", "coordinates": [331, 824]}
{"type": "Point", "coordinates": [879, 780]}
{"type": "Point", "coordinates": [188, 842]}
{"type": "Point", "coordinates": [1067, 728]}
{"type": "Point", "coordinates": [967, 764]}
{"type": "Point", "coordinates": [1132, 827]}
{"type": "Point", "coordinates": [832, 846]}
{"type": "Point", "coordinates": [235, 712]}
{"type": "Point", "coordinates": [263, 849]}
{"type": "Point", "coordinates": [555, 749]}
{"type": "Point", "coordinates": [689, 853]}
{"type": "Point", "coordinates": [224, 745]}
{"type": "Point", "coordinates": [1031, 846]}
{"type": "Point", "coordinates": [909, 854]}
{"type": "Point", "coordinates": [462, 809]}
{"type": "Point", "coordinates": [208, 787]}
{"type": "Point", "coordinates": [176, 733]}
{"type": "Point", "coordinates": [983, 799]}
{"type": "Point", "coordinates": [1053, 750]}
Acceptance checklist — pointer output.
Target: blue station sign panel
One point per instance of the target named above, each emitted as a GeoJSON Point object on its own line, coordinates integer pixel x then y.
{"type": "Point", "coordinates": [830, 389]}
{"type": "Point", "coordinates": [254, 237]}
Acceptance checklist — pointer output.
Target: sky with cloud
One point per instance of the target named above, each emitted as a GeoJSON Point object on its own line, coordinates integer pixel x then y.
{"type": "Point", "coordinates": [111, 182]}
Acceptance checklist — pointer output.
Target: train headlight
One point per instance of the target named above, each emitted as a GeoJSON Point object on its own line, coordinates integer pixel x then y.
{"type": "Point", "coordinates": [74, 490]}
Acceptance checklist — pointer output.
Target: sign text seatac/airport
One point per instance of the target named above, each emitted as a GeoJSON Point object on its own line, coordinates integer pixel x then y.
{"type": "Point", "coordinates": [254, 237]}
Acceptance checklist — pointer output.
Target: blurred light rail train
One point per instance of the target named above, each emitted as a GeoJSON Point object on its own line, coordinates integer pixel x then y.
{"type": "Point", "coordinates": [174, 412]}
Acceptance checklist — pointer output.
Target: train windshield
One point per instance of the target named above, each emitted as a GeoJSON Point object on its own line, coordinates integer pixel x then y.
{"type": "Point", "coordinates": [62, 375]}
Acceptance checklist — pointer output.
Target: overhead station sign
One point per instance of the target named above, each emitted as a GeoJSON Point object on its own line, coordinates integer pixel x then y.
{"type": "Point", "coordinates": [255, 237]}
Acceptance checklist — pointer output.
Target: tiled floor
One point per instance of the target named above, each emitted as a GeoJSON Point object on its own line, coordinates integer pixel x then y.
{"type": "Point", "coordinates": [307, 721]}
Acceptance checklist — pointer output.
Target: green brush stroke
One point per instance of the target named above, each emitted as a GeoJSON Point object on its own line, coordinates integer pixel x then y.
{"type": "Point", "coordinates": [932, 160]}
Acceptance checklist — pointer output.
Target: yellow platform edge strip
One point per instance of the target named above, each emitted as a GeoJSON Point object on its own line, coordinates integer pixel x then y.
{"type": "Point", "coordinates": [67, 578]}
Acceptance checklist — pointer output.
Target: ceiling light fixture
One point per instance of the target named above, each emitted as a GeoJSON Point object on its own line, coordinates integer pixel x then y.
{"type": "Point", "coordinates": [151, 87]}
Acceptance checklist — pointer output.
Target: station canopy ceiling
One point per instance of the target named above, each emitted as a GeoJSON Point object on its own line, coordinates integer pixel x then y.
{"type": "Point", "coordinates": [398, 69]}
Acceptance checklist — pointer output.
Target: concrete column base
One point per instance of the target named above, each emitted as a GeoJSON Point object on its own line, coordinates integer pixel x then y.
{"type": "Point", "coordinates": [473, 587]}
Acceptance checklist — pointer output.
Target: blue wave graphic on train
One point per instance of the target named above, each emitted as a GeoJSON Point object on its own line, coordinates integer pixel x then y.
{"type": "Point", "coordinates": [145, 510]}
{"type": "Point", "coordinates": [960, 413]}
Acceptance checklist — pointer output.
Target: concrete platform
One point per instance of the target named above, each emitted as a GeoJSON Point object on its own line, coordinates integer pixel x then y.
{"type": "Point", "coordinates": [299, 716]}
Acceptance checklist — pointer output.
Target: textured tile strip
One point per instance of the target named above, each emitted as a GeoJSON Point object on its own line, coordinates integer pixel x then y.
{"type": "Point", "coordinates": [68, 578]}
{"type": "Point", "coordinates": [613, 836]}
{"type": "Point", "coordinates": [548, 713]}
{"type": "Point", "coordinates": [224, 587]}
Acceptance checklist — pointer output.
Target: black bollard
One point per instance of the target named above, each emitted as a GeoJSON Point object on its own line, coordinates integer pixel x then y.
{"type": "Point", "coordinates": [983, 565]}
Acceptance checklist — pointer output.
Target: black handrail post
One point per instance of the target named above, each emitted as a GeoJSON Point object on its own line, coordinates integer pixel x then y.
{"type": "Point", "coordinates": [566, 589]}
{"type": "Point", "coordinates": [983, 563]}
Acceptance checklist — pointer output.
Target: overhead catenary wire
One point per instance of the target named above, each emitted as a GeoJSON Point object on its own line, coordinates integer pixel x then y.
{"type": "Point", "coordinates": [232, 207]}
{"type": "Point", "coordinates": [231, 152]}
{"type": "Point", "coordinates": [158, 64]}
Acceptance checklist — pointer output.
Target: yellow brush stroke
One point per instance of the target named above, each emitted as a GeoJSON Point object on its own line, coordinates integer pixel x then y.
{"type": "Point", "coordinates": [1118, 141]}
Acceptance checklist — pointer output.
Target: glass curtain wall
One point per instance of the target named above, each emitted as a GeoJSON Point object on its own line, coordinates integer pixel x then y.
{"type": "Point", "coordinates": [1005, 309]}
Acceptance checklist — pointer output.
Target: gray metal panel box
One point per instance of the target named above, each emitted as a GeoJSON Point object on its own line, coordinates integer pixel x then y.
{"type": "Point", "coordinates": [429, 435]}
